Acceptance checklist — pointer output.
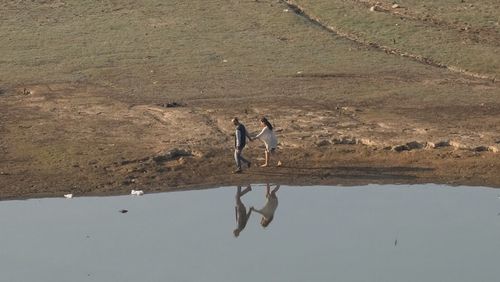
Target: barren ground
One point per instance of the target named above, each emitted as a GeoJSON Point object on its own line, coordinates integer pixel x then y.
{"type": "Point", "coordinates": [150, 108]}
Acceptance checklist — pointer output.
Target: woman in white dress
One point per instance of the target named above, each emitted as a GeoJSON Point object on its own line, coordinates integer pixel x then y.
{"type": "Point", "coordinates": [270, 140]}
{"type": "Point", "coordinates": [270, 207]}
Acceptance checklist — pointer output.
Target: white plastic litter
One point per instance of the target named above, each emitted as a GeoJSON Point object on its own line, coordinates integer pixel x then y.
{"type": "Point", "coordinates": [137, 192]}
{"type": "Point", "coordinates": [68, 196]}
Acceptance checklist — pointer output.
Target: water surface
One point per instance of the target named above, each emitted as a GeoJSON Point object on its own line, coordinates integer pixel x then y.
{"type": "Point", "coordinates": [371, 233]}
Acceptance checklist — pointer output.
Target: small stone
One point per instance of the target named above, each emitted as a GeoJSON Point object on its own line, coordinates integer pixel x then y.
{"type": "Point", "coordinates": [173, 154]}
{"type": "Point", "coordinates": [124, 211]}
{"type": "Point", "coordinates": [429, 145]}
{"type": "Point", "coordinates": [492, 149]}
{"type": "Point", "coordinates": [345, 141]}
{"type": "Point", "coordinates": [27, 91]}
{"type": "Point", "coordinates": [442, 144]}
{"type": "Point", "coordinates": [322, 143]}
{"type": "Point", "coordinates": [366, 142]}
{"type": "Point", "coordinates": [400, 148]}
{"type": "Point", "coordinates": [456, 145]}
{"type": "Point", "coordinates": [414, 145]}
{"type": "Point", "coordinates": [376, 8]}
{"type": "Point", "coordinates": [448, 143]}
{"type": "Point", "coordinates": [481, 149]}
{"type": "Point", "coordinates": [395, 6]}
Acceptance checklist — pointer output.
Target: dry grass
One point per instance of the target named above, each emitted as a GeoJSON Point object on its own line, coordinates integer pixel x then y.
{"type": "Point", "coordinates": [159, 50]}
{"type": "Point", "coordinates": [463, 35]}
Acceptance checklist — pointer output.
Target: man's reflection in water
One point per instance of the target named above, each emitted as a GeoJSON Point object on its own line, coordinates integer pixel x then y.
{"type": "Point", "coordinates": [269, 208]}
{"type": "Point", "coordinates": [241, 211]}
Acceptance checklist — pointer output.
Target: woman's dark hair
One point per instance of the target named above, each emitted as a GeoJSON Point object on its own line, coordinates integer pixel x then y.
{"type": "Point", "coordinates": [265, 221]}
{"type": "Point", "coordinates": [267, 123]}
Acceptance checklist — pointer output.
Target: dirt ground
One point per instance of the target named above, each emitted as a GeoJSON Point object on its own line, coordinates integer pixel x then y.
{"type": "Point", "coordinates": [128, 98]}
{"type": "Point", "coordinates": [64, 138]}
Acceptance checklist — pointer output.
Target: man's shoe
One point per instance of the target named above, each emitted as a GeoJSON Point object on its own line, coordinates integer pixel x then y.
{"type": "Point", "coordinates": [237, 171]}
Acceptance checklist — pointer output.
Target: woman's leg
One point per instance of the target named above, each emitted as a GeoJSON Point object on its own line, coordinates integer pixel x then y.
{"type": "Point", "coordinates": [266, 154]}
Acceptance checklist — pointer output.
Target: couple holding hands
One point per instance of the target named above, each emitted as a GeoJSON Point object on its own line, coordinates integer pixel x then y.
{"type": "Point", "coordinates": [267, 135]}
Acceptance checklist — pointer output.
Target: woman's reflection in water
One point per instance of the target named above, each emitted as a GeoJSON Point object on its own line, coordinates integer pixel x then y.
{"type": "Point", "coordinates": [269, 208]}
{"type": "Point", "coordinates": [241, 211]}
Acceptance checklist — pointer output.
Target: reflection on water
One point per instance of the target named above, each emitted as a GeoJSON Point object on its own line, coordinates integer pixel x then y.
{"type": "Point", "coordinates": [370, 233]}
{"type": "Point", "coordinates": [267, 211]}
{"type": "Point", "coordinates": [241, 211]}
{"type": "Point", "coordinates": [270, 207]}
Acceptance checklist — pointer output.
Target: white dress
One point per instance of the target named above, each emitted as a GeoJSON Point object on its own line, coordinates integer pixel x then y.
{"type": "Point", "coordinates": [269, 208]}
{"type": "Point", "coordinates": [269, 138]}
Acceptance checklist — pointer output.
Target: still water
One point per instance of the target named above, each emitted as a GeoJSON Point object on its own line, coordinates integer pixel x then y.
{"type": "Point", "coordinates": [370, 233]}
